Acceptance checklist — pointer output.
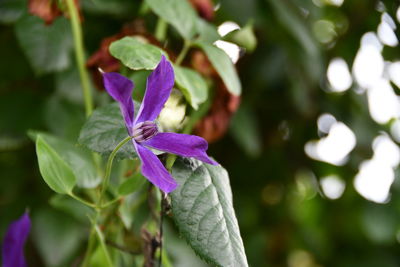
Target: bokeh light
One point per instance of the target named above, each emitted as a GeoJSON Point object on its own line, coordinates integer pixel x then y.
{"type": "Point", "coordinates": [339, 76]}
{"type": "Point", "coordinates": [333, 148]}
{"type": "Point", "coordinates": [333, 186]}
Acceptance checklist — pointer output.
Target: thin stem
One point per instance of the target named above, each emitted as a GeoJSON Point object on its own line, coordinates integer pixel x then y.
{"type": "Point", "coordinates": [92, 240]}
{"type": "Point", "coordinates": [161, 30]}
{"type": "Point", "coordinates": [169, 162]}
{"type": "Point", "coordinates": [122, 248]}
{"type": "Point", "coordinates": [182, 54]}
{"type": "Point", "coordinates": [162, 211]}
{"type": "Point", "coordinates": [79, 54]}
{"type": "Point", "coordinates": [103, 246]}
{"type": "Point", "coordinates": [108, 169]}
{"type": "Point", "coordinates": [82, 201]}
{"type": "Point", "coordinates": [105, 205]}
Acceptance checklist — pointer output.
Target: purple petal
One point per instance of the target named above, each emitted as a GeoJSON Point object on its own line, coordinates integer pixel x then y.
{"type": "Point", "coordinates": [120, 88]}
{"type": "Point", "coordinates": [154, 171]}
{"type": "Point", "coordinates": [159, 86]}
{"type": "Point", "coordinates": [181, 144]}
{"type": "Point", "coordinates": [14, 241]}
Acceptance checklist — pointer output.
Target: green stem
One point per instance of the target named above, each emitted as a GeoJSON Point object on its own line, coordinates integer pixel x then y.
{"type": "Point", "coordinates": [103, 246]}
{"type": "Point", "coordinates": [161, 30]}
{"type": "Point", "coordinates": [91, 242]}
{"type": "Point", "coordinates": [182, 54]}
{"type": "Point", "coordinates": [105, 205]}
{"type": "Point", "coordinates": [95, 229]}
{"type": "Point", "coordinates": [82, 200]}
{"type": "Point", "coordinates": [108, 169]}
{"type": "Point", "coordinates": [79, 54]}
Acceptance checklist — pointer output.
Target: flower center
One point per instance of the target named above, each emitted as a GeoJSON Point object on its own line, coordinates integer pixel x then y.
{"type": "Point", "coordinates": [144, 131]}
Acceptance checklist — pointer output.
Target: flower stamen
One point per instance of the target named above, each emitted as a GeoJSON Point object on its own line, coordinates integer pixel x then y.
{"type": "Point", "coordinates": [143, 131]}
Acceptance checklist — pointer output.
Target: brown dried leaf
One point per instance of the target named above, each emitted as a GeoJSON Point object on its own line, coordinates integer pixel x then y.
{"type": "Point", "coordinates": [215, 124]}
{"type": "Point", "coordinates": [49, 10]}
{"type": "Point", "coordinates": [102, 57]}
{"type": "Point", "coordinates": [205, 8]}
{"type": "Point", "coordinates": [201, 63]}
{"type": "Point", "coordinates": [46, 9]}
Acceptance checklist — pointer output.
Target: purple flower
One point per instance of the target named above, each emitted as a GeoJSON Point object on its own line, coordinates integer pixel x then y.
{"type": "Point", "coordinates": [14, 241]}
{"type": "Point", "coordinates": [144, 130]}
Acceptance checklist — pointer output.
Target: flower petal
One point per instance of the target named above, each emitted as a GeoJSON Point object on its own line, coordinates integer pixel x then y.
{"type": "Point", "coordinates": [14, 241]}
{"type": "Point", "coordinates": [154, 171]}
{"type": "Point", "coordinates": [159, 86]}
{"type": "Point", "coordinates": [120, 89]}
{"type": "Point", "coordinates": [181, 144]}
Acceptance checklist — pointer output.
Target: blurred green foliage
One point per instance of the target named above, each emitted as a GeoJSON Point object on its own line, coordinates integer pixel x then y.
{"type": "Point", "coordinates": [284, 217]}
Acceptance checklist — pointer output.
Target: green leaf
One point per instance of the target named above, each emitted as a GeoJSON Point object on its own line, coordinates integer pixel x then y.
{"type": "Point", "coordinates": [115, 8]}
{"type": "Point", "coordinates": [63, 117]}
{"type": "Point", "coordinates": [11, 10]}
{"type": "Point", "coordinates": [243, 37]}
{"type": "Point", "coordinates": [131, 205]}
{"type": "Point", "coordinates": [103, 131]}
{"type": "Point", "coordinates": [131, 185]}
{"type": "Point", "coordinates": [55, 171]}
{"type": "Point", "coordinates": [78, 159]}
{"type": "Point", "coordinates": [207, 31]}
{"type": "Point", "coordinates": [178, 13]}
{"type": "Point", "coordinates": [134, 53]}
{"type": "Point", "coordinates": [140, 79]}
{"type": "Point", "coordinates": [192, 85]}
{"type": "Point", "coordinates": [203, 211]}
{"type": "Point", "coordinates": [47, 47]}
{"type": "Point", "coordinates": [57, 237]}
{"type": "Point", "coordinates": [102, 243]}
{"type": "Point", "coordinates": [98, 258]}
{"type": "Point", "coordinates": [68, 85]}
{"type": "Point", "coordinates": [223, 65]}
{"type": "Point", "coordinates": [72, 207]}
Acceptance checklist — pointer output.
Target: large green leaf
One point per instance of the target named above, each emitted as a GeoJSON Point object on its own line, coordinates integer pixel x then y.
{"type": "Point", "coordinates": [77, 158]}
{"type": "Point", "coordinates": [135, 53]}
{"type": "Point", "coordinates": [104, 129]}
{"type": "Point", "coordinates": [223, 65]}
{"type": "Point", "coordinates": [207, 31]}
{"type": "Point", "coordinates": [131, 185]}
{"type": "Point", "coordinates": [192, 85]}
{"type": "Point", "coordinates": [203, 211]}
{"type": "Point", "coordinates": [55, 171]}
{"type": "Point", "coordinates": [63, 117]}
{"type": "Point", "coordinates": [178, 13]}
{"type": "Point", "coordinates": [57, 237]}
{"type": "Point", "coordinates": [47, 47]}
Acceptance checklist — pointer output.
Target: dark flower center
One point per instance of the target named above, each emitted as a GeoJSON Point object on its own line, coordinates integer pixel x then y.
{"type": "Point", "coordinates": [144, 131]}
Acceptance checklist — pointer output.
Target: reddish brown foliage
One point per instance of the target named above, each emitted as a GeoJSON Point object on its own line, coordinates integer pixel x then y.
{"type": "Point", "coordinates": [102, 57]}
{"type": "Point", "coordinates": [46, 9]}
{"type": "Point", "coordinates": [215, 124]}
{"type": "Point", "coordinates": [205, 8]}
